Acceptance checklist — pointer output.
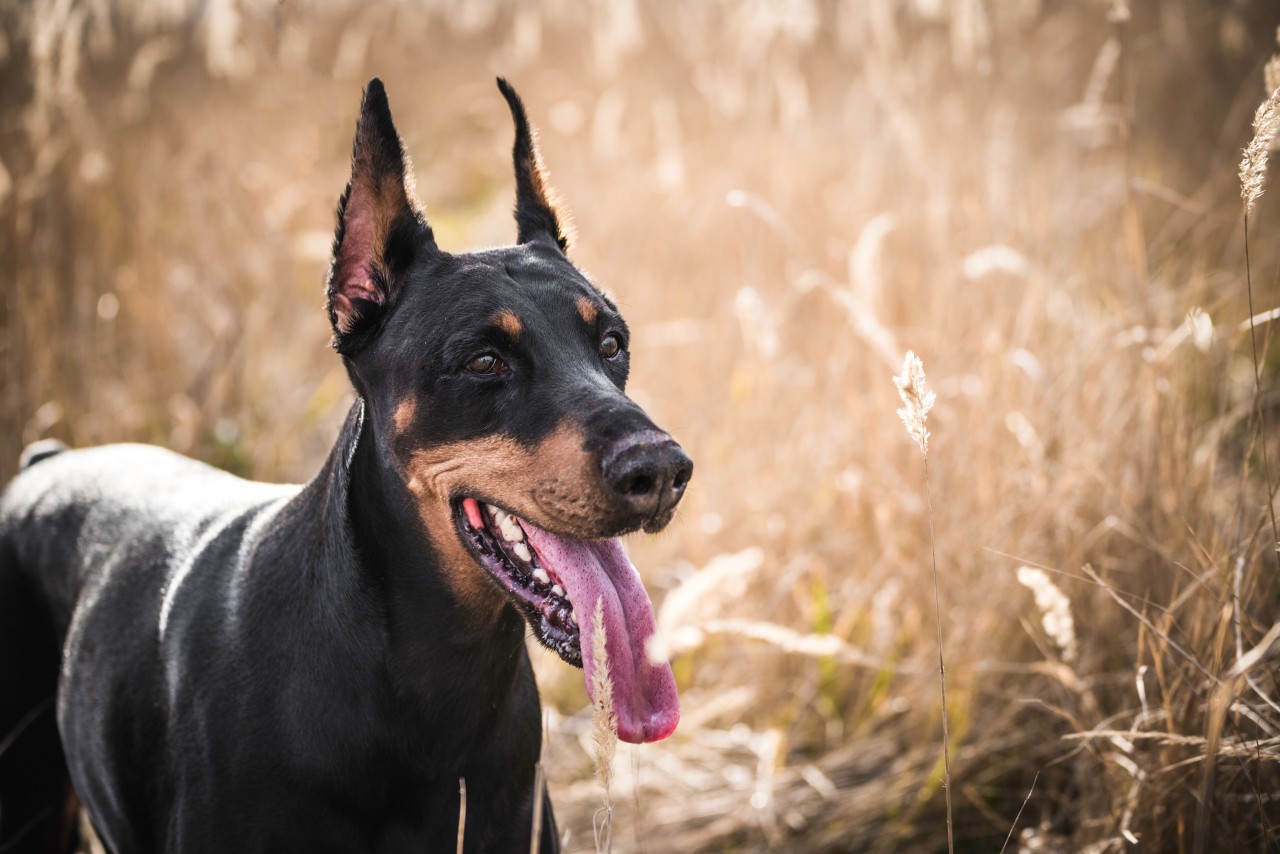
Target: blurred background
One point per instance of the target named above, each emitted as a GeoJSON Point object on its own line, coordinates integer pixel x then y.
{"type": "Point", "coordinates": [1039, 197]}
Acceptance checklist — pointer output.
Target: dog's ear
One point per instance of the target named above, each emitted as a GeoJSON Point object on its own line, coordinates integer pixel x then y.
{"type": "Point", "coordinates": [538, 212]}
{"type": "Point", "coordinates": [380, 227]}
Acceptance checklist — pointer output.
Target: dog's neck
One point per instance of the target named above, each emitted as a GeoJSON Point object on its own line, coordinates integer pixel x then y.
{"type": "Point", "coordinates": [434, 637]}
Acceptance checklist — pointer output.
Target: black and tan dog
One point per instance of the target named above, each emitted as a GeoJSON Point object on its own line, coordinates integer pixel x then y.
{"type": "Point", "coordinates": [241, 667]}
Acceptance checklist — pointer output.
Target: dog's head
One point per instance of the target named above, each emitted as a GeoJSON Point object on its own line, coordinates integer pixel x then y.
{"type": "Point", "coordinates": [495, 381]}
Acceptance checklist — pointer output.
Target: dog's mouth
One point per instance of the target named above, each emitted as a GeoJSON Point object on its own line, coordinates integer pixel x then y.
{"type": "Point", "coordinates": [557, 583]}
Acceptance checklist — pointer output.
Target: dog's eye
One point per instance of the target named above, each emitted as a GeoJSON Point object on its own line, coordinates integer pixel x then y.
{"type": "Point", "coordinates": [485, 363]}
{"type": "Point", "coordinates": [610, 346]}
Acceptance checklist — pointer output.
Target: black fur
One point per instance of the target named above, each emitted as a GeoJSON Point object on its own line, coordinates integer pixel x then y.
{"type": "Point", "coordinates": [254, 668]}
{"type": "Point", "coordinates": [536, 214]}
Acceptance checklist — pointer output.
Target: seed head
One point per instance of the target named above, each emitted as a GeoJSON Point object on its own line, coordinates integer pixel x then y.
{"type": "Point", "coordinates": [1055, 610]}
{"type": "Point", "coordinates": [1200, 328]}
{"type": "Point", "coordinates": [916, 401]}
{"type": "Point", "coordinates": [1253, 165]}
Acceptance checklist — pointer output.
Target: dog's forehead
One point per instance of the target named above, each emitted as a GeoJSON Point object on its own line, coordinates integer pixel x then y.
{"type": "Point", "coordinates": [525, 288]}
{"type": "Point", "coordinates": [528, 275]}
{"type": "Point", "coordinates": [536, 266]}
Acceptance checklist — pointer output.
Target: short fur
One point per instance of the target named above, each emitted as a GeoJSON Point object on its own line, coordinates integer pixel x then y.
{"type": "Point", "coordinates": [237, 666]}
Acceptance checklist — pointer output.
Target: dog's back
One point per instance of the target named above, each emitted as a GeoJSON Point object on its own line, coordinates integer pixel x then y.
{"type": "Point", "coordinates": [93, 538]}
{"type": "Point", "coordinates": [70, 516]}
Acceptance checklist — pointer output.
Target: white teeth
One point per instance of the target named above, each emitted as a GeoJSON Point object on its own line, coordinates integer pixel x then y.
{"type": "Point", "coordinates": [522, 552]}
{"type": "Point", "coordinates": [572, 619]}
{"type": "Point", "coordinates": [540, 574]}
{"type": "Point", "coordinates": [507, 524]}
{"type": "Point", "coordinates": [511, 530]}
{"type": "Point", "coordinates": [557, 589]}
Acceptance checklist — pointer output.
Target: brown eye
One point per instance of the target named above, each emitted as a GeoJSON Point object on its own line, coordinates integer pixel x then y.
{"type": "Point", "coordinates": [609, 346]}
{"type": "Point", "coordinates": [485, 364]}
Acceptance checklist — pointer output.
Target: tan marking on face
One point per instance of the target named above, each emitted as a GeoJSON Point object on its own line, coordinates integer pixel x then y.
{"type": "Point", "coordinates": [588, 310]}
{"type": "Point", "coordinates": [508, 322]}
{"type": "Point", "coordinates": [403, 418]}
{"type": "Point", "coordinates": [549, 484]}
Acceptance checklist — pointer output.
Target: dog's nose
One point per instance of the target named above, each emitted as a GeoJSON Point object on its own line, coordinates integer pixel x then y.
{"type": "Point", "coordinates": [648, 473]}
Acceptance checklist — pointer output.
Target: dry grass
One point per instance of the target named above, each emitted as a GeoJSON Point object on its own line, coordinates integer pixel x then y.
{"type": "Point", "coordinates": [604, 731]}
{"type": "Point", "coordinates": [1041, 201]}
{"type": "Point", "coordinates": [914, 414]}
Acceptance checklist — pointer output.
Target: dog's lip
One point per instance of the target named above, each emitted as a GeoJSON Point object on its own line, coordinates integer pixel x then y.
{"type": "Point", "coordinates": [558, 530]}
{"type": "Point", "coordinates": [562, 527]}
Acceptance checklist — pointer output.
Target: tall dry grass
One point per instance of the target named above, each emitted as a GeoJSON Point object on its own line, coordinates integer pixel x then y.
{"type": "Point", "coordinates": [1039, 198]}
{"type": "Point", "coordinates": [604, 731]}
{"type": "Point", "coordinates": [914, 414]}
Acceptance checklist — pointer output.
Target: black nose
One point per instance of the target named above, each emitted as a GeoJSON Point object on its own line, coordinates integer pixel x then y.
{"type": "Point", "coordinates": [648, 474]}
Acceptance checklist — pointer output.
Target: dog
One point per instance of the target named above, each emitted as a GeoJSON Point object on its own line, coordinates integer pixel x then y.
{"type": "Point", "coordinates": [215, 665]}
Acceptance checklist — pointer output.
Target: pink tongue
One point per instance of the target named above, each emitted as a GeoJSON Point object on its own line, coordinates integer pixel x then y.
{"type": "Point", "coordinates": [644, 693]}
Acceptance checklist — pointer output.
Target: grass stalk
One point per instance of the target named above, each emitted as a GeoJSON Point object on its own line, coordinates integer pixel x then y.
{"type": "Point", "coordinates": [916, 403]}
{"type": "Point", "coordinates": [1014, 826]}
{"type": "Point", "coordinates": [604, 730]}
{"type": "Point", "coordinates": [1253, 176]}
{"type": "Point", "coordinates": [942, 667]}
{"type": "Point", "coordinates": [462, 812]}
{"type": "Point", "coordinates": [539, 784]}
{"type": "Point", "coordinates": [1257, 392]}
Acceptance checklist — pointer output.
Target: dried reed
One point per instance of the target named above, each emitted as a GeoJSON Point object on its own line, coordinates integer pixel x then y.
{"type": "Point", "coordinates": [462, 812]}
{"type": "Point", "coordinates": [916, 403]}
{"type": "Point", "coordinates": [1014, 826]}
{"type": "Point", "coordinates": [1253, 175]}
{"type": "Point", "coordinates": [604, 729]}
{"type": "Point", "coordinates": [1253, 163]}
{"type": "Point", "coordinates": [539, 787]}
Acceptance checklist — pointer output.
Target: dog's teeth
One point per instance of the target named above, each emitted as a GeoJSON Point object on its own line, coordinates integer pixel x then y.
{"type": "Point", "coordinates": [493, 511]}
{"type": "Point", "coordinates": [522, 552]}
{"type": "Point", "coordinates": [557, 589]}
{"type": "Point", "coordinates": [540, 574]}
{"type": "Point", "coordinates": [572, 619]}
{"type": "Point", "coordinates": [511, 530]}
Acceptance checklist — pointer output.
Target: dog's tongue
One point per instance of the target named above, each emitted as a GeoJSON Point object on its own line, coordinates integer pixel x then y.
{"type": "Point", "coordinates": [644, 693]}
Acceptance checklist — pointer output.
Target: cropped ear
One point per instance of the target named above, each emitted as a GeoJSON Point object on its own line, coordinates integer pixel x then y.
{"type": "Point", "coordinates": [538, 210]}
{"type": "Point", "coordinates": [380, 228]}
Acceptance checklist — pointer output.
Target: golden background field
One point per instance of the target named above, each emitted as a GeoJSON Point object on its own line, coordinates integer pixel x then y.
{"type": "Point", "coordinates": [1039, 198]}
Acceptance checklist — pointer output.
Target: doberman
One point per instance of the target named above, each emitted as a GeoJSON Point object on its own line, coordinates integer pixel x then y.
{"type": "Point", "coordinates": [257, 668]}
